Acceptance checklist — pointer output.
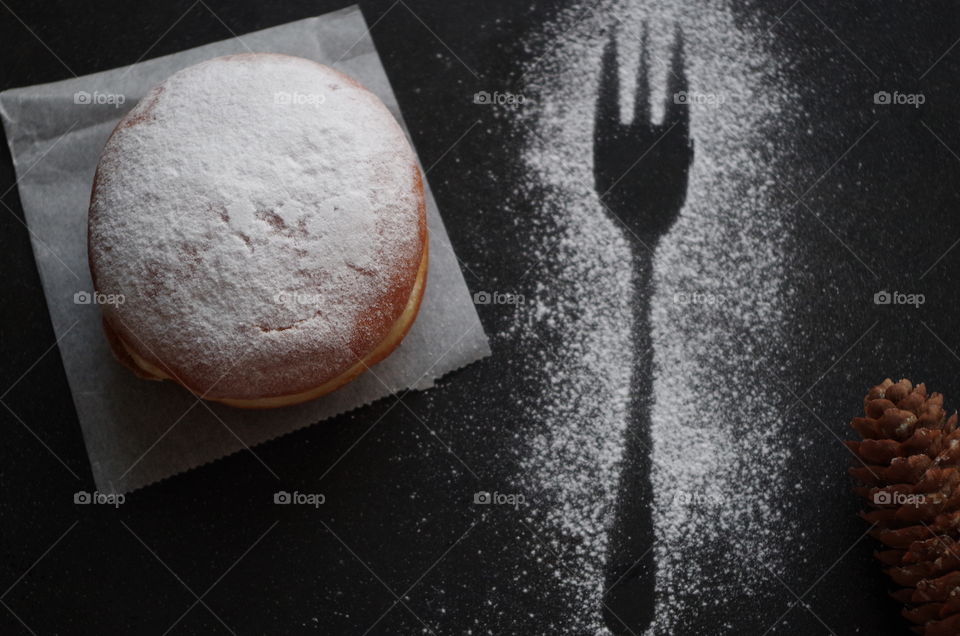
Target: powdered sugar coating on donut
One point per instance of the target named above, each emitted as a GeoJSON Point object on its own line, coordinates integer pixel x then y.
{"type": "Point", "coordinates": [263, 217]}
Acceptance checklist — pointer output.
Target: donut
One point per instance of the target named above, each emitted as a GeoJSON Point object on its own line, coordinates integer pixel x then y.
{"type": "Point", "coordinates": [259, 222]}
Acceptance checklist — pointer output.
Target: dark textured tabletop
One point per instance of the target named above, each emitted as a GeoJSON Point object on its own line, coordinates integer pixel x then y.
{"type": "Point", "coordinates": [399, 546]}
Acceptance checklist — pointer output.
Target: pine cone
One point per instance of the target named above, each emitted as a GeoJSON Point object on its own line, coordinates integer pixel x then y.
{"type": "Point", "coordinates": [910, 473]}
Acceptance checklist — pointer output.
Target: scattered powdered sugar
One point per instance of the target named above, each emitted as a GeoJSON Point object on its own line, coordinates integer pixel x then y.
{"type": "Point", "coordinates": [717, 312]}
{"type": "Point", "coordinates": [582, 300]}
{"type": "Point", "coordinates": [257, 207]}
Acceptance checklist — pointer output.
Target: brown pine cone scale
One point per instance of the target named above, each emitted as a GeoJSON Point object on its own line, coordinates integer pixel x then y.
{"type": "Point", "coordinates": [909, 471]}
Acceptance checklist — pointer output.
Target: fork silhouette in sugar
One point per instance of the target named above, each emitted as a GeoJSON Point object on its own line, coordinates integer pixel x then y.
{"type": "Point", "coordinates": [640, 175]}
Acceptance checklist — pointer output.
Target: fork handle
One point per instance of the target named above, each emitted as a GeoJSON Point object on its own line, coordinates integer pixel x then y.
{"type": "Point", "coordinates": [630, 569]}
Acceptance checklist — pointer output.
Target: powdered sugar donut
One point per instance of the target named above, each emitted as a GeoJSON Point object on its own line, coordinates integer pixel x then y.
{"type": "Point", "coordinates": [263, 217]}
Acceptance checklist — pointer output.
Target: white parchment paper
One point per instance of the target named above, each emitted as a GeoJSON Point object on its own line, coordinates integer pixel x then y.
{"type": "Point", "coordinates": [138, 432]}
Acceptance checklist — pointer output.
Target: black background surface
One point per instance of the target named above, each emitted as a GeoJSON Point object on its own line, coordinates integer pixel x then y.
{"type": "Point", "coordinates": [883, 213]}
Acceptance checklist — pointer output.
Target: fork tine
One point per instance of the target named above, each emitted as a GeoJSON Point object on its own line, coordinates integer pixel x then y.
{"type": "Point", "coordinates": [641, 99]}
{"type": "Point", "coordinates": [677, 111]}
{"type": "Point", "coordinates": [607, 117]}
